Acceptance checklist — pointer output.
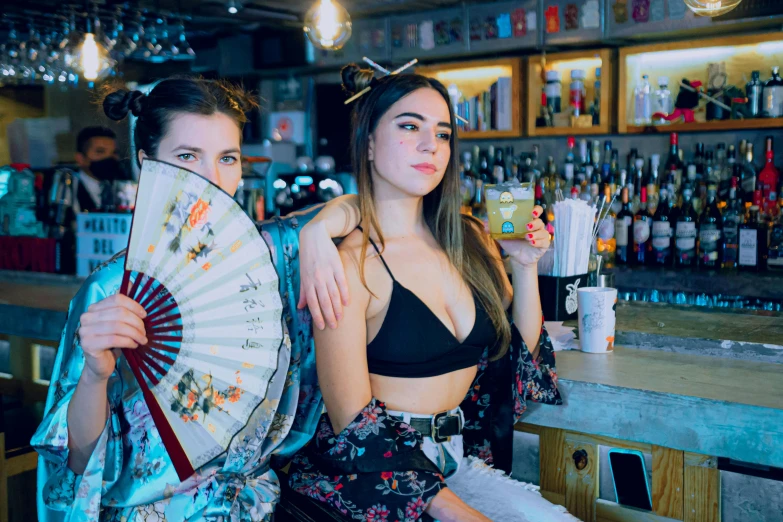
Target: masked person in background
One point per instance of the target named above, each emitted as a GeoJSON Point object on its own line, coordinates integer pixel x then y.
{"type": "Point", "coordinates": [96, 155]}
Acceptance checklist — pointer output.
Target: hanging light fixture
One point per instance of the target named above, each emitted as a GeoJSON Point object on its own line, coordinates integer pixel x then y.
{"type": "Point", "coordinates": [233, 6]}
{"type": "Point", "coordinates": [711, 7]}
{"type": "Point", "coordinates": [94, 59]}
{"type": "Point", "coordinates": [327, 25]}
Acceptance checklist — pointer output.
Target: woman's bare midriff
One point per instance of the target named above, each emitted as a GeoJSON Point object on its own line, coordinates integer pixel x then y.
{"type": "Point", "coordinates": [426, 395]}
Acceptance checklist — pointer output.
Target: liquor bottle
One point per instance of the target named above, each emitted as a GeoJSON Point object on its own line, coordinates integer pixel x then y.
{"type": "Point", "coordinates": [596, 156]}
{"type": "Point", "coordinates": [773, 95]}
{"type": "Point", "coordinates": [775, 253]}
{"type": "Point", "coordinates": [662, 230]}
{"type": "Point", "coordinates": [499, 167]}
{"type": "Point", "coordinates": [569, 167]}
{"type": "Point", "coordinates": [769, 179]}
{"type": "Point", "coordinates": [686, 232]}
{"type": "Point", "coordinates": [534, 165]}
{"type": "Point", "coordinates": [623, 232]}
{"type": "Point", "coordinates": [643, 102]}
{"type": "Point", "coordinates": [698, 160]}
{"type": "Point", "coordinates": [692, 180]}
{"type": "Point", "coordinates": [467, 183]}
{"type": "Point", "coordinates": [719, 166]}
{"type": "Point", "coordinates": [484, 171]}
{"type": "Point", "coordinates": [551, 176]}
{"type": "Point", "coordinates": [732, 218]}
{"type": "Point", "coordinates": [751, 238]}
{"type": "Point", "coordinates": [663, 99]}
{"type": "Point", "coordinates": [62, 222]}
{"type": "Point", "coordinates": [711, 171]}
{"type": "Point", "coordinates": [631, 159]}
{"type": "Point", "coordinates": [724, 163]}
{"type": "Point", "coordinates": [673, 161]}
{"type": "Point", "coordinates": [755, 92]}
{"type": "Point", "coordinates": [594, 184]}
{"type": "Point", "coordinates": [710, 232]}
{"type": "Point", "coordinates": [642, 228]}
{"type": "Point", "coordinates": [749, 171]}
{"type": "Point", "coordinates": [653, 182]}
{"type": "Point", "coordinates": [605, 243]}
{"type": "Point", "coordinates": [606, 166]}
{"type": "Point", "coordinates": [638, 183]}
{"type": "Point", "coordinates": [581, 170]}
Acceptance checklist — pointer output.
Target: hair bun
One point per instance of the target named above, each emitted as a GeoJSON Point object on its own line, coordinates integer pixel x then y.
{"type": "Point", "coordinates": [119, 103]}
{"type": "Point", "coordinates": [356, 79]}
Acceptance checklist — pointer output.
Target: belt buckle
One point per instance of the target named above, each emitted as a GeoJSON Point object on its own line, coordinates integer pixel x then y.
{"type": "Point", "coordinates": [435, 426]}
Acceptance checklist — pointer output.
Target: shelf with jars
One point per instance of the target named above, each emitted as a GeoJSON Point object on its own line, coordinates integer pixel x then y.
{"type": "Point", "coordinates": [720, 84]}
{"type": "Point", "coordinates": [486, 93]}
{"type": "Point", "coordinates": [570, 93]}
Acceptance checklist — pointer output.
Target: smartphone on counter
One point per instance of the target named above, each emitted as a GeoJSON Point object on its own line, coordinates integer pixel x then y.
{"type": "Point", "coordinates": [629, 476]}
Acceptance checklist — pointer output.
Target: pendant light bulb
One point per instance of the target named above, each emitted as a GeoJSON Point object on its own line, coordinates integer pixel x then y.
{"type": "Point", "coordinates": [91, 59]}
{"type": "Point", "coordinates": [233, 6]}
{"type": "Point", "coordinates": [327, 25]}
{"type": "Point", "coordinates": [711, 7]}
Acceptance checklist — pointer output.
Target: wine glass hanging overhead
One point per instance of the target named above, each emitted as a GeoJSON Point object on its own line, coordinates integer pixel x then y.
{"type": "Point", "coordinates": [70, 47]}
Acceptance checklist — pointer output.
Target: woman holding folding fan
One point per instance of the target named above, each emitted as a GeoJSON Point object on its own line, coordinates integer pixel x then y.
{"type": "Point", "coordinates": [102, 457]}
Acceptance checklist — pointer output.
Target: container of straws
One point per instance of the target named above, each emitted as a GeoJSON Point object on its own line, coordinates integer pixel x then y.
{"type": "Point", "coordinates": [565, 266]}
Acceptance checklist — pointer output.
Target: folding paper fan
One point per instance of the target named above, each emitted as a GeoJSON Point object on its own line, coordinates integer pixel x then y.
{"type": "Point", "coordinates": [199, 267]}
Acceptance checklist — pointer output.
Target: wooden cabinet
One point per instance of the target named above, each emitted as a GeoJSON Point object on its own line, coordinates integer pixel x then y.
{"type": "Point", "coordinates": [589, 61]}
{"type": "Point", "coordinates": [472, 83]}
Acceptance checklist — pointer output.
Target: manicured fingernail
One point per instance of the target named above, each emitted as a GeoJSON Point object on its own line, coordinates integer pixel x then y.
{"type": "Point", "coordinates": [530, 226]}
{"type": "Point", "coordinates": [532, 241]}
{"type": "Point", "coordinates": [535, 213]}
{"type": "Point", "coordinates": [530, 236]}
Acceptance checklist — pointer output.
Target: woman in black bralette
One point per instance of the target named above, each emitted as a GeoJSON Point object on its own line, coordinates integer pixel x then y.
{"type": "Point", "coordinates": [436, 353]}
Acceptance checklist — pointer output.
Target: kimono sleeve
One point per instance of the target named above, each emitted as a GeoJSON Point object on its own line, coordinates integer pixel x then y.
{"type": "Point", "coordinates": [282, 238]}
{"type": "Point", "coordinates": [76, 497]}
{"type": "Point", "coordinates": [534, 379]}
{"type": "Point", "coordinates": [498, 397]}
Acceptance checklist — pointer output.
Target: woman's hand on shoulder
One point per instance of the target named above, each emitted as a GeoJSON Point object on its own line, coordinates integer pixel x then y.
{"type": "Point", "coordinates": [322, 283]}
{"type": "Point", "coordinates": [112, 323]}
{"type": "Point", "coordinates": [525, 253]}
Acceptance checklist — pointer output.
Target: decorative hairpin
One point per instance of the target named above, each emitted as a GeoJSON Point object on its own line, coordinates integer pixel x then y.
{"type": "Point", "coordinates": [383, 70]}
{"type": "Point", "coordinates": [386, 72]}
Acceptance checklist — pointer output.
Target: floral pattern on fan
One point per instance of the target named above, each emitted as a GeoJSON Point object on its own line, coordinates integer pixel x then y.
{"type": "Point", "coordinates": [199, 267]}
{"type": "Point", "coordinates": [193, 403]}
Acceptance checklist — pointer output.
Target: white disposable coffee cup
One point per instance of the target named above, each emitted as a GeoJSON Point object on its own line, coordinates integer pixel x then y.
{"type": "Point", "coordinates": [596, 319]}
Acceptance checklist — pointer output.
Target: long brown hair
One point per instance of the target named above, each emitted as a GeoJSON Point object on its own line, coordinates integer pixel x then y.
{"type": "Point", "coordinates": [461, 237]}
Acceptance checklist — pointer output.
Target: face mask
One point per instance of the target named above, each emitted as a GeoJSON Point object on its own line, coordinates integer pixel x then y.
{"type": "Point", "coordinates": [109, 169]}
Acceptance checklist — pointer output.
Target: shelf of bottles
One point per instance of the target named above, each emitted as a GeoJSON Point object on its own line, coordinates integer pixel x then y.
{"type": "Point", "coordinates": [570, 93]}
{"type": "Point", "coordinates": [713, 207]}
{"type": "Point", "coordinates": [487, 94]}
{"type": "Point", "coordinates": [738, 85]}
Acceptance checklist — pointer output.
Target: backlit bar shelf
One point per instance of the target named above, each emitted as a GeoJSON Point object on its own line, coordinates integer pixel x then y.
{"type": "Point", "coordinates": [737, 56]}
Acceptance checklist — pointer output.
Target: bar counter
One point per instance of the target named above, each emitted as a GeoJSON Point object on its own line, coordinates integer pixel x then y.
{"type": "Point", "coordinates": [687, 384]}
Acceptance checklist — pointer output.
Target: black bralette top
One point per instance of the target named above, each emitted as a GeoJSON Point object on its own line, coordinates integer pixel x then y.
{"type": "Point", "coordinates": [413, 342]}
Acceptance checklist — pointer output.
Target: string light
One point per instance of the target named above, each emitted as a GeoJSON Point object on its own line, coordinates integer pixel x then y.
{"type": "Point", "coordinates": [328, 25]}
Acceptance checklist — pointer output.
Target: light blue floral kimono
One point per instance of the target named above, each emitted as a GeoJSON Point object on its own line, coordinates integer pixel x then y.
{"type": "Point", "coordinates": [129, 476]}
